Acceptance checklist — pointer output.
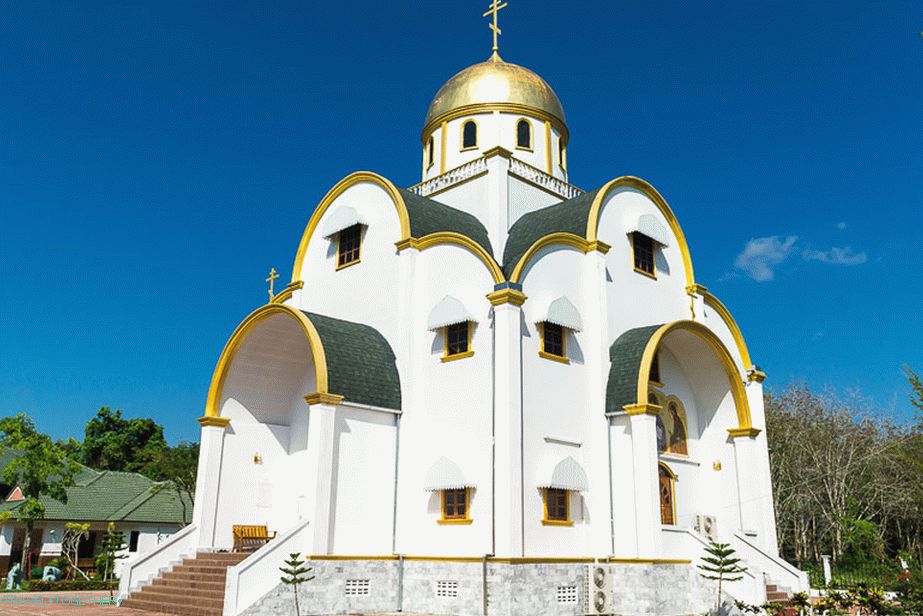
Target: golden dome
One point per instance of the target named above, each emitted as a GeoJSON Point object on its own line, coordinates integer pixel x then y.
{"type": "Point", "coordinates": [492, 85]}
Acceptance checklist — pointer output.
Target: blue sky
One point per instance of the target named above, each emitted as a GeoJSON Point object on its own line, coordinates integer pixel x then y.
{"type": "Point", "coordinates": [156, 159]}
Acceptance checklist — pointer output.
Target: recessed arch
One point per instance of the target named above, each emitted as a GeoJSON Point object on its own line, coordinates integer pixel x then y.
{"type": "Point", "coordinates": [562, 238]}
{"type": "Point", "coordinates": [735, 381]}
{"type": "Point", "coordinates": [635, 183]}
{"type": "Point", "coordinates": [216, 388]}
{"type": "Point", "coordinates": [338, 189]}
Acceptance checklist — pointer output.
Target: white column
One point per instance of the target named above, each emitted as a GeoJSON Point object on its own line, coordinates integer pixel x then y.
{"type": "Point", "coordinates": [643, 418]}
{"type": "Point", "coordinates": [748, 480]}
{"type": "Point", "coordinates": [508, 401]}
{"type": "Point", "coordinates": [321, 434]}
{"type": "Point", "coordinates": [208, 478]}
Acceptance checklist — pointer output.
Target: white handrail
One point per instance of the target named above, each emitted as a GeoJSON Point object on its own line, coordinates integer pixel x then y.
{"type": "Point", "coordinates": [143, 568]}
{"type": "Point", "coordinates": [253, 577]}
{"type": "Point", "coordinates": [779, 570]}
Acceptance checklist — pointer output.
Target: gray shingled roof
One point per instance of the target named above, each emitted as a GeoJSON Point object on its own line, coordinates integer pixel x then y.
{"type": "Point", "coordinates": [111, 496]}
{"type": "Point", "coordinates": [360, 362]}
{"type": "Point", "coordinates": [429, 216]}
{"type": "Point", "coordinates": [625, 355]}
{"type": "Point", "coordinates": [568, 216]}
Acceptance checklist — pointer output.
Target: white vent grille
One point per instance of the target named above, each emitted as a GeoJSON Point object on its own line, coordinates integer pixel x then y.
{"type": "Point", "coordinates": [357, 588]}
{"type": "Point", "coordinates": [446, 588]}
{"type": "Point", "coordinates": [567, 595]}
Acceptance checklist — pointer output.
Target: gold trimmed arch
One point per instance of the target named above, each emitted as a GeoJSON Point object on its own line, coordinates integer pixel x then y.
{"type": "Point", "coordinates": [451, 237]}
{"type": "Point", "coordinates": [724, 357]}
{"type": "Point", "coordinates": [339, 188]}
{"type": "Point", "coordinates": [562, 238]}
{"type": "Point", "coordinates": [240, 334]}
{"type": "Point", "coordinates": [728, 318]}
{"type": "Point", "coordinates": [635, 183]}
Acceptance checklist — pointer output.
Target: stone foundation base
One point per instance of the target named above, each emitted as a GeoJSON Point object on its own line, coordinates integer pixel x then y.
{"type": "Point", "coordinates": [452, 588]}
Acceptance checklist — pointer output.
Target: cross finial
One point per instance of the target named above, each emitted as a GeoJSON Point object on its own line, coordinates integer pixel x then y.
{"type": "Point", "coordinates": [495, 7]}
{"type": "Point", "coordinates": [271, 280]}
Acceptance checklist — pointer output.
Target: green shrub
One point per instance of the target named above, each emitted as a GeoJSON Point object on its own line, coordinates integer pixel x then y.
{"type": "Point", "coordinates": [65, 585]}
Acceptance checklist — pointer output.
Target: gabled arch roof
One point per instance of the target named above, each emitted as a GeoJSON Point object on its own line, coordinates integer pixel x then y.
{"type": "Point", "coordinates": [565, 217]}
{"type": "Point", "coordinates": [360, 362]}
{"type": "Point", "coordinates": [428, 216]}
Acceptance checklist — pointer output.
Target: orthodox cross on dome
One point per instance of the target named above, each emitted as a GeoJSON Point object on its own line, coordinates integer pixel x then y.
{"type": "Point", "coordinates": [495, 7]}
{"type": "Point", "coordinates": [271, 280]}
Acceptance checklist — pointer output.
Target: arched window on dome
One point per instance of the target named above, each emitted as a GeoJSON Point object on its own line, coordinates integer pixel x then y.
{"type": "Point", "coordinates": [469, 135]}
{"type": "Point", "coordinates": [562, 154]}
{"type": "Point", "coordinates": [524, 135]}
{"type": "Point", "coordinates": [430, 153]}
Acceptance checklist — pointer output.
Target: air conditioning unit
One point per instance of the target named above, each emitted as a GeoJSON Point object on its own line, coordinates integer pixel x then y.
{"type": "Point", "coordinates": [598, 597]}
{"type": "Point", "coordinates": [707, 526]}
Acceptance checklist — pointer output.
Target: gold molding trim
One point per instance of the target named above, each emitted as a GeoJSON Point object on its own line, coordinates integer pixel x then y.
{"type": "Point", "coordinates": [220, 422]}
{"type": "Point", "coordinates": [465, 355]}
{"type": "Point", "coordinates": [287, 292]}
{"type": "Point", "coordinates": [459, 522]}
{"type": "Point", "coordinates": [522, 560]}
{"type": "Point", "coordinates": [645, 408]}
{"type": "Point", "coordinates": [482, 108]}
{"type": "Point", "coordinates": [323, 398]}
{"type": "Point", "coordinates": [338, 189]}
{"type": "Point", "coordinates": [561, 237]}
{"type": "Point", "coordinates": [497, 150]}
{"type": "Point", "coordinates": [725, 314]}
{"type": "Point", "coordinates": [240, 334]}
{"type": "Point", "coordinates": [548, 147]}
{"type": "Point", "coordinates": [553, 357]}
{"type": "Point", "coordinates": [507, 296]}
{"type": "Point", "coordinates": [724, 357]}
{"type": "Point", "coordinates": [744, 432]}
{"type": "Point", "coordinates": [756, 375]}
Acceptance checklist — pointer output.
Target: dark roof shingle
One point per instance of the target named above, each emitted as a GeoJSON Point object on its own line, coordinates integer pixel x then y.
{"type": "Point", "coordinates": [625, 354]}
{"type": "Point", "coordinates": [429, 216]}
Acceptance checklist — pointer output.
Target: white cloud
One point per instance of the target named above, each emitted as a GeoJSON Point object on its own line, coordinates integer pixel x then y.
{"type": "Point", "coordinates": [836, 256]}
{"type": "Point", "coordinates": [762, 254]}
{"type": "Point", "coordinates": [841, 225]}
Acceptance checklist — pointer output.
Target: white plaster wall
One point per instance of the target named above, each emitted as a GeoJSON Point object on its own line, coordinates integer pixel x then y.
{"type": "Point", "coordinates": [471, 197]}
{"type": "Point", "coordinates": [364, 481]}
{"type": "Point", "coordinates": [557, 406]}
{"type": "Point", "coordinates": [715, 323]}
{"type": "Point", "coordinates": [525, 198]}
{"type": "Point", "coordinates": [496, 129]}
{"type": "Point", "coordinates": [6, 539]}
{"type": "Point", "coordinates": [451, 407]}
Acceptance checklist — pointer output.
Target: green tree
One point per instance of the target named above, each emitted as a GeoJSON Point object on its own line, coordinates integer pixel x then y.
{"type": "Point", "coordinates": [176, 467]}
{"type": "Point", "coordinates": [916, 396]}
{"type": "Point", "coordinates": [113, 548]}
{"type": "Point", "coordinates": [295, 574]}
{"type": "Point", "coordinates": [39, 467]}
{"type": "Point", "coordinates": [721, 564]}
{"type": "Point", "coordinates": [112, 443]}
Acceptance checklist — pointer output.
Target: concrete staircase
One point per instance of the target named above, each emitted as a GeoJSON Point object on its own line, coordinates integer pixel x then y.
{"type": "Point", "coordinates": [195, 587]}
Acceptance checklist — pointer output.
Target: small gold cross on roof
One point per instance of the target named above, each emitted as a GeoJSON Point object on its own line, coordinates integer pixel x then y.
{"type": "Point", "coordinates": [495, 7]}
{"type": "Point", "coordinates": [271, 280]}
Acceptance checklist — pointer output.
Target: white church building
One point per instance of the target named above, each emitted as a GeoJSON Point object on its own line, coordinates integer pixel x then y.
{"type": "Point", "coordinates": [488, 393]}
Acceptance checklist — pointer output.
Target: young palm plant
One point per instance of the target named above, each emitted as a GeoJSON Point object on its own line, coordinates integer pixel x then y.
{"type": "Point", "coordinates": [720, 564]}
{"type": "Point", "coordinates": [295, 574]}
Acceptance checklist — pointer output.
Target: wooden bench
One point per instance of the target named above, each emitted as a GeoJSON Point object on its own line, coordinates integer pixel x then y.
{"type": "Point", "coordinates": [251, 537]}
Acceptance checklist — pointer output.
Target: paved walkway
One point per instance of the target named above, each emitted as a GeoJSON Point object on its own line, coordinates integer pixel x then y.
{"type": "Point", "coordinates": [80, 604]}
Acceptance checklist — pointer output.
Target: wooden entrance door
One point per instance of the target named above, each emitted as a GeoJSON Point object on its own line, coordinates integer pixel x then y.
{"type": "Point", "coordinates": [667, 510]}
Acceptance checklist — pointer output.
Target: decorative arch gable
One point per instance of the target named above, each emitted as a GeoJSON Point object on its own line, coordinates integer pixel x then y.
{"type": "Point", "coordinates": [635, 183]}
{"type": "Point", "coordinates": [632, 354]}
{"type": "Point", "coordinates": [351, 361]}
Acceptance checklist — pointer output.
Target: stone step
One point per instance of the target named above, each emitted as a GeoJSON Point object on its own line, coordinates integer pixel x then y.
{"type": "Point", "coordinates": [195, 576]}
{"type": "Point", "coordinates": [194, 567]}
{"type": "Point", "coordinates": [184, 584]}
{"type": "Point", "coordinates": [165, 593]}
{"type": "Point", "coordinates": [168, 599]}
{"type": "Point", "coordinates": [161, 608]}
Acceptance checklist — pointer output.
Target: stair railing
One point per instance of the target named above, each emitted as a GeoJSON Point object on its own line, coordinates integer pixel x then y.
{"type": "Point", "coordinates": [250, 579]}
{"type": "Point", "coordinates": [144, 568]}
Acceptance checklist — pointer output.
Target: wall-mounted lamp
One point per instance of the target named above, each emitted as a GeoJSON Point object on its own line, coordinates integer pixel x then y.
{"type": "Point", "coordinates": [257, 458]}
{"type": "Point", "coordinates": [716, 465]}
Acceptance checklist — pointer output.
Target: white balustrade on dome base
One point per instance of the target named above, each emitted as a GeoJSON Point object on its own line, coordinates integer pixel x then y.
{"type": "Point", "coordinates": [478, 166]}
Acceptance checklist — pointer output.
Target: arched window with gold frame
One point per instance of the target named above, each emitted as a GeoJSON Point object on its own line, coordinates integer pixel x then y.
{"type": "Point", "coordinates": [469, 135]}
{"type": "Point", "coordinates": [667, 493]}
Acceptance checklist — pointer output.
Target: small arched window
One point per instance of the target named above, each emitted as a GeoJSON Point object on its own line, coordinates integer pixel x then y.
{"type": "Point", "coordinates": [524, 134]}
{"type": "Point", "coordinates": [469, 135]}
{"type": "Point", "coordinates": [562, 154]}
{"type": "Point", "coordinates": [430, 153]}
